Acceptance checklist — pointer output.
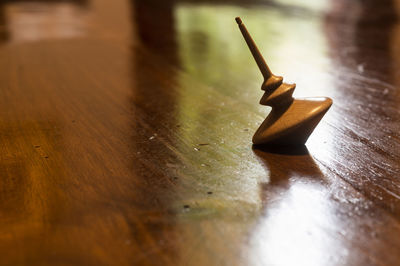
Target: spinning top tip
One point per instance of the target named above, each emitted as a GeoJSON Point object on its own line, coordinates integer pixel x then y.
{"type": "Point", "coordinates": [238, 20]}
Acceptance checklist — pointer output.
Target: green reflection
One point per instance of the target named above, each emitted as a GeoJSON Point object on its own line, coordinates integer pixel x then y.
{"type": "Point", "coordinates": [222, 73]}
{"type": "Point", "coordinates": [212, 49]}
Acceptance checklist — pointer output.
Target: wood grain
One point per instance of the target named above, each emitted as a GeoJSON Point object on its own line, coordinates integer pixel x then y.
{"type": "Point", "coordinates": [126, 134]}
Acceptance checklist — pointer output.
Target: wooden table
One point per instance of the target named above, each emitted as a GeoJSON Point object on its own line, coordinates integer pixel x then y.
{"type": "Point", "coordinates": [126, 134]}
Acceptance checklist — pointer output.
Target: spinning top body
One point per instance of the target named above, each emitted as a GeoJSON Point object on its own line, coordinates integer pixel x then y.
{"type": "Point", "coordinates": [291, 121]}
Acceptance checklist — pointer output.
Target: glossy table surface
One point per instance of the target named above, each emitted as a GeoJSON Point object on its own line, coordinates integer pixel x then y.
{"type": "Point", "coordinates": [126, 133]}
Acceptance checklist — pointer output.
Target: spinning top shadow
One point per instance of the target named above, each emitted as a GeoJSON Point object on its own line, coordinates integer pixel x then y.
{"type": "Point", "coordinates": [284, 164]}
{"type": "Point", "coordinates": [291, 120]}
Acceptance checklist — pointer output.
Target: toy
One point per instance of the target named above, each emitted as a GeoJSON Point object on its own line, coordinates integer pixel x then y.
{"type": "Point", "coordinates": [291, 120]}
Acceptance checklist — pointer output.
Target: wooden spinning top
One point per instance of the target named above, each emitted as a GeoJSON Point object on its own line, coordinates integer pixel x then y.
{"type": "Point", "coordinates": [291, 121]}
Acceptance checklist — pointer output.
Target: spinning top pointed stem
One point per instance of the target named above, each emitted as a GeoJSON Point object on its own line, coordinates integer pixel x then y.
{"type": "Point", "coordinates": [266, 72]}
{"type": "Point", "coordinates": [271, 81]}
